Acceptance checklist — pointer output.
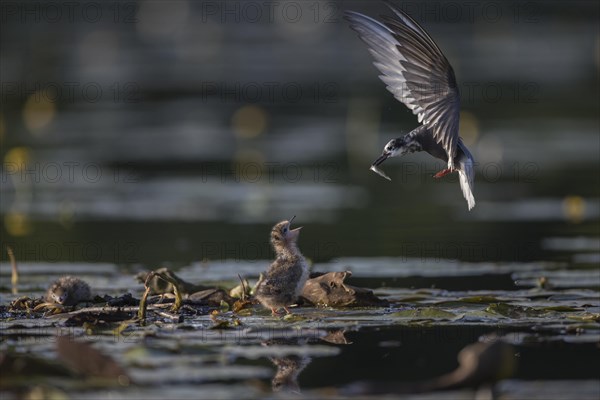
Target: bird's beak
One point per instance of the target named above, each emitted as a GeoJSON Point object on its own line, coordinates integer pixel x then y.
{"type": "Point", "coordinates": [294, 233]}
{"type": "Point", "coordinates": [384, 156]}
{"type": "Point", "coordinates": [381, 158]}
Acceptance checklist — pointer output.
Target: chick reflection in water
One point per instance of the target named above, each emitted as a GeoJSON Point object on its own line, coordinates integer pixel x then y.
{"type": "Point", "coordinates": [289, 366]}
{"type": "Point", "coordinates": [293, 356]}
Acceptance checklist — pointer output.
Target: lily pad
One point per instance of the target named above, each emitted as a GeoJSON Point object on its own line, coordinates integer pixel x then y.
{"type": "Point", "coordinates": [512, 311]}
{"type": "Point", "coordinates": [424, 313]}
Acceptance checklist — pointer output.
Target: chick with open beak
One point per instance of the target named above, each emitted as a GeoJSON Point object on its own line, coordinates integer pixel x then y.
{"type": "Point", "coordinates": [283, 282]}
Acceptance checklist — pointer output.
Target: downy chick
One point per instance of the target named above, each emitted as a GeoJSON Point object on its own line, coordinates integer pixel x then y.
{"type": "Point", "coordinates": [287, 275]}
{"type": "Point", "coordinates": [68, 291]}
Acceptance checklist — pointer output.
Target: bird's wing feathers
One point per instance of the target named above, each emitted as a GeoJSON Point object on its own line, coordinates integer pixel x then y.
{"type": "Point", "coordinates": [466, 175]}
{"type": "Point", "coordinates": [415, 71]}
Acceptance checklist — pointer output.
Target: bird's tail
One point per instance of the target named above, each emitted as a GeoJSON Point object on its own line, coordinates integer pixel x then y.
{"type": "Point", "coordinates": [466, 176]}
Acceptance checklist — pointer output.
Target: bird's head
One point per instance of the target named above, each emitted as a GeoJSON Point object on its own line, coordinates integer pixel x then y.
{"type": "Point", "coordinates": [59, 295]}
{"type": "Point", "coordinates": [282, 235]}
{"type": "Point", "coordinates": [396, 147]}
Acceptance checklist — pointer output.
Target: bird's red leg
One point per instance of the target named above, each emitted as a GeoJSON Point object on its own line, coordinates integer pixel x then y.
{"type": "Point", "coordinates": [442, 173]}
{"type": "Point", "coordinates": [274, 311]}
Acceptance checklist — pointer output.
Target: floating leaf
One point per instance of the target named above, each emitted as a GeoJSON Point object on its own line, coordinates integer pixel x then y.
{"type": "Point", "coordinates": [223, 323]}
{"type": "Point", "coordinates": [512, 311]}
{"type": "Point", "coordinates": [585, 317]}
{"type": "Point", "coordinates": [462, 301]}
{"type": "Point", "coordinates": [479, 299]}
{"type": "Point", "coordinates": [50, 308]}
{"type": "Point", "coordinates": [424, 313]}
{"type": "Point", "coordinates": [24, 304]}
{"type": "Point", "coordinates": [239, 305]}
{"type": "Point", "coordinates": [411, 299]}
{"type": "Point", "coordinates": [293, 318]}
{"type": "Point", "coordinates": [562, 308]}
{"type": "Point", "coordinates": [224, 306]}
{"type": "Point", "coordinates": [124, 325]}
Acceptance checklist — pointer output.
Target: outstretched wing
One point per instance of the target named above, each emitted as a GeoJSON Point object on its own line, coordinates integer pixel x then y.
{"type": "Point", "coordinates": [415, 70]}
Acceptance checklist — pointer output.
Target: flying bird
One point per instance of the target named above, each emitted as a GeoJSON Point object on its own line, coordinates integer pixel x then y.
{"type": "Point", "coordinates": [418, 74]}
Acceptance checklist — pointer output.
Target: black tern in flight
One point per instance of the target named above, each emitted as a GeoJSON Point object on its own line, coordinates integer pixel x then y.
{"type": "Point", "coordinates": [418, 74]}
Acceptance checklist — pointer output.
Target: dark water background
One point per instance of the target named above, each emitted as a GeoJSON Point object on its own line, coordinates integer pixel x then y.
{"type": "Point", "coordinates": [159, 133]}
{"type": "Point", "coordinates": [173, 132]}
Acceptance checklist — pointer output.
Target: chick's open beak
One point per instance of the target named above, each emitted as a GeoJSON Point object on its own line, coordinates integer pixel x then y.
{"type": "Point", "coordinates": [294, 233]}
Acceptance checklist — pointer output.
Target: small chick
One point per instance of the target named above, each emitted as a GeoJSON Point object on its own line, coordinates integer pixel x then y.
{"type": "Point", "coordinates": [68, 291]}
{"type": "Point", "coordinates": [284, 280]}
